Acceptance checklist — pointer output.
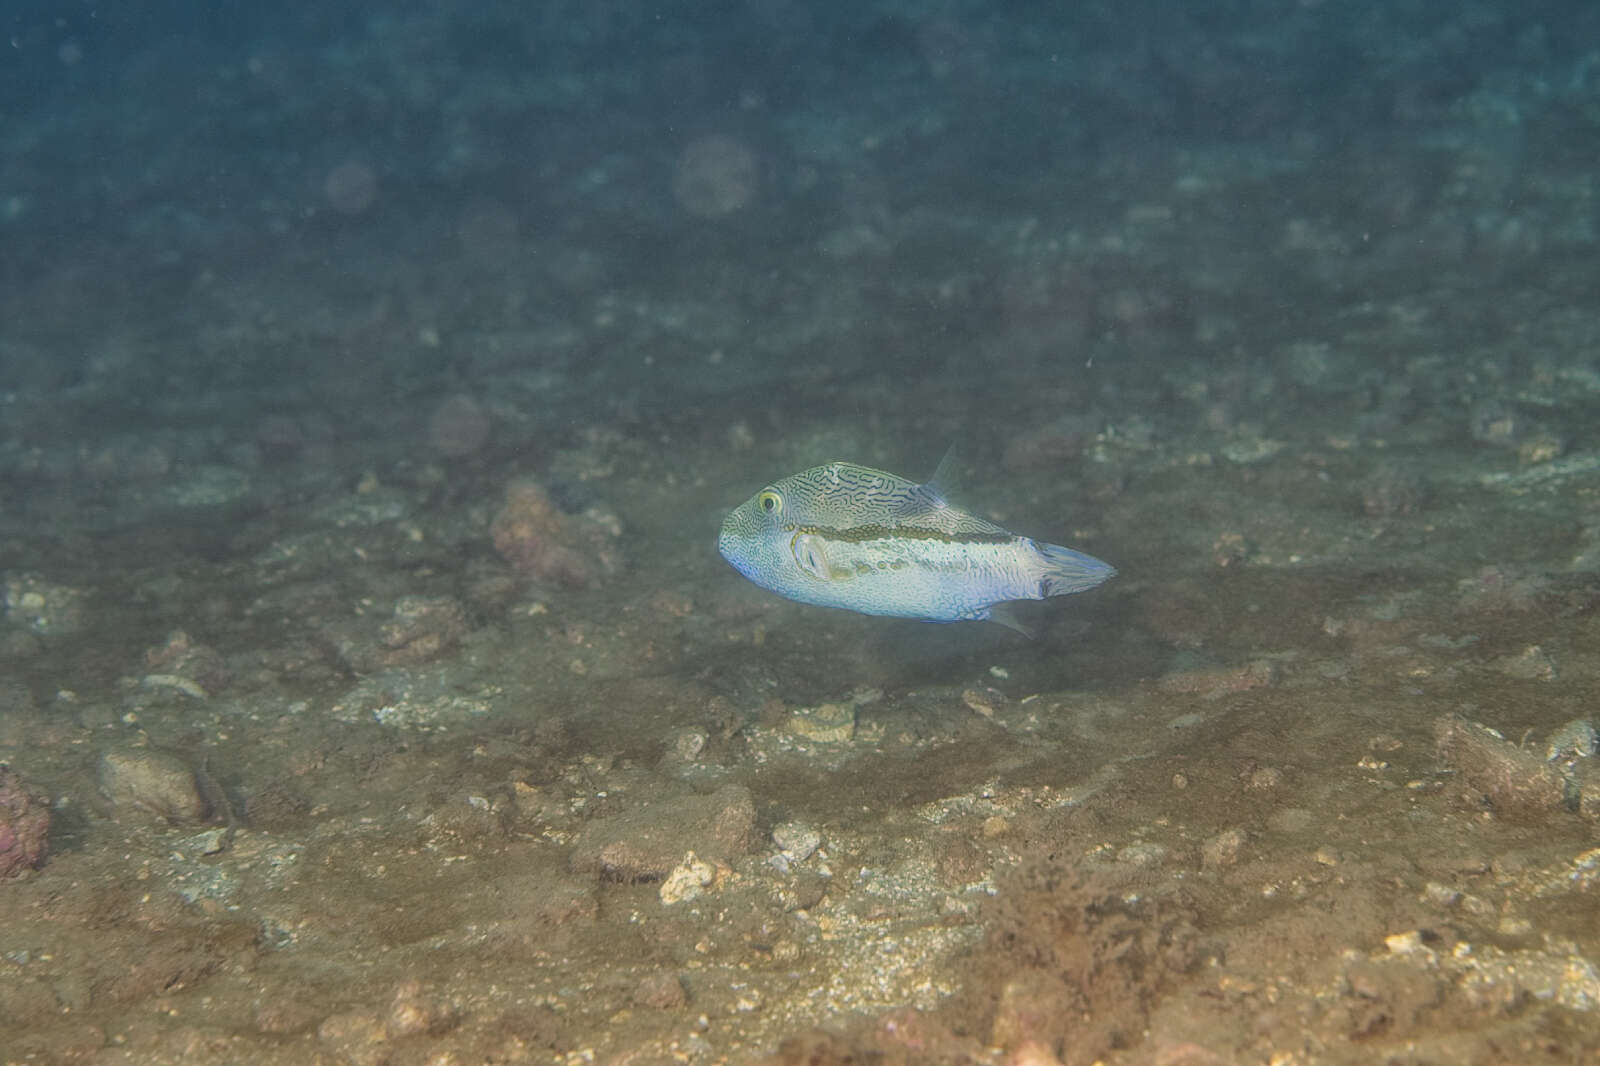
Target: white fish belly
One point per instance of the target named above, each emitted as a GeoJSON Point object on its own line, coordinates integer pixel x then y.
{"type": "Point", "coordinates": [924, 577]}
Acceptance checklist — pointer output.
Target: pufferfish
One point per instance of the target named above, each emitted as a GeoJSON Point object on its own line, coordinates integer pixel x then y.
{"type": "Point", "coordinates": [842, 535]}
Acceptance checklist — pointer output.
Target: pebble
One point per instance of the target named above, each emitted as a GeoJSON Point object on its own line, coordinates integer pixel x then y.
{"type": "Point", "coordinates": [687, 745]}
{"type": "Point", "coordinates": [662, 991]}
{"type": "Point", "coordinates": [148, 784]}
{"type": "Point", "coordinates": [1224, 848]}
{"type": "Point", "coordinates": [688, 880]}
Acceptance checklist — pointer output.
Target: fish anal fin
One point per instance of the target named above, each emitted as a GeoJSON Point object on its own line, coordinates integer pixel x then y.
{"type": "Point", "coordinates": [1006, 615]}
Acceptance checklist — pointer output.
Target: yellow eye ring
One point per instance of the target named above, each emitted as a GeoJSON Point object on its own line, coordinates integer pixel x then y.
{"type": "Point", "coordinates": [769, 501]}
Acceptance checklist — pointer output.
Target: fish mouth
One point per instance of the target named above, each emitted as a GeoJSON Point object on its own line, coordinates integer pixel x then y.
{"type": "Point", "coordinates": [728, 544]}
{"type": "Point", "coordinates": [725, 543]}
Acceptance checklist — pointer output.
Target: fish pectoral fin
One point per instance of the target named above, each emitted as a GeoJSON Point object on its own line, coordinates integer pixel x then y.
{"type": "Point", "coordinates": [811, 555]}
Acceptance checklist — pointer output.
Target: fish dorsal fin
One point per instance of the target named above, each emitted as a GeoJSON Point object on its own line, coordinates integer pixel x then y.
{"type": "Point", "coordinates": [946, 479]}
{"type": "Point", "coordinates": [932, 496]}
{"type": "Point", "coordinates": [930, 505]}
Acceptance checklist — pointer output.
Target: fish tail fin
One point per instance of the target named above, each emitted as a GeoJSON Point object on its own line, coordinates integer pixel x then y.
{"type": "Point", "coordinates": [1068, 571]}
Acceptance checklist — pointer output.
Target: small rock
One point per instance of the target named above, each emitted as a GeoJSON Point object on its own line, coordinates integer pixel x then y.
{"type": "Point", "coordinates": [647, 842]}
{"type": "Point", "coordinates": [661, 991]}
{"type": "Point", "coordinates": [1532, 663]}
{"type": "Point", "coordinates": [806, 892]}
{"type": "Point", "coordinates": [1441, 895]}
{"type": "Point", "coordinates": [423, 628]}
{"type": "Point", "coordinates": [687, 745]}
{"type": "Point", "coordinates": [796, 840]}
{"type": "Point", "coordinates": [420, 629]}
{"type": "Point", "coordinates": [688, 880]}
{"type": "Point", "coordinates": [985, 700]}
{"type": "Point", "coordinates": [147, 784]}
{"type": "Point", "coordinates": [180, 663]}
{"type": "Point", "coordinates": [411, 1013]}
{"type": "Point", "coordinates": [829, 723]}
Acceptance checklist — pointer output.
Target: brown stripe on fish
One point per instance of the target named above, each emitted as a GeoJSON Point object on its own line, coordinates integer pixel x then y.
{"type": "Point", "coordinates": [861, 534]}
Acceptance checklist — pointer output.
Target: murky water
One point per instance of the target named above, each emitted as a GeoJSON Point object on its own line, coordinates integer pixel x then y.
{"type": "Point", "coordinates": [374, 387]}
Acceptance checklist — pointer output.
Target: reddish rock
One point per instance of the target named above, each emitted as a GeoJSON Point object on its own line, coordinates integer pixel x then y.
{"type": "Point", "coordinates": [532, 534]}
{"type": "Point", "coordinates": [24, 821]}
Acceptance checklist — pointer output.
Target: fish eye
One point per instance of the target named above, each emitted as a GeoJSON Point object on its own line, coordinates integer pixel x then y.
{"type": "Point", "coordinates": [769, 501]}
